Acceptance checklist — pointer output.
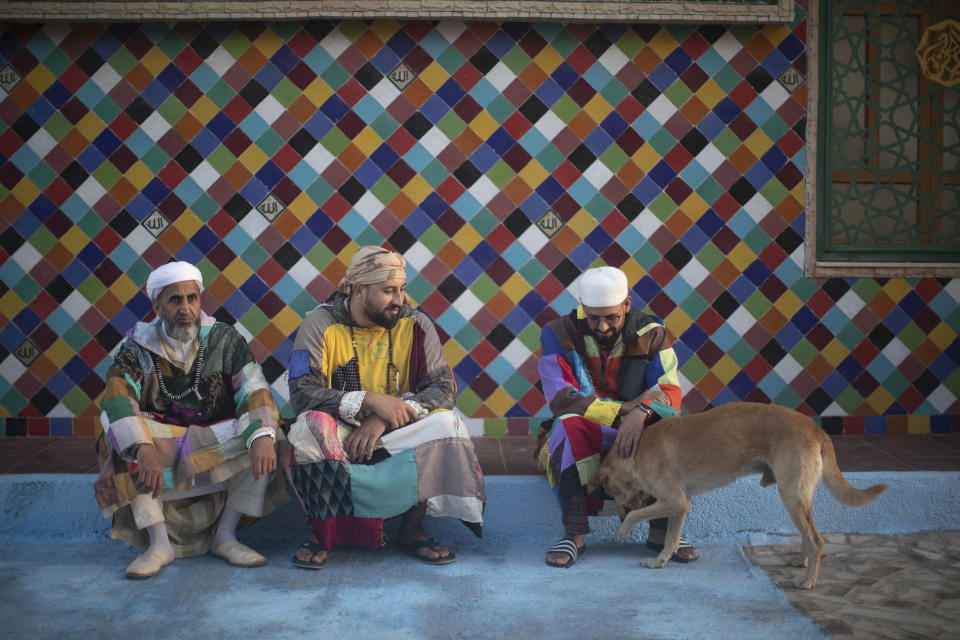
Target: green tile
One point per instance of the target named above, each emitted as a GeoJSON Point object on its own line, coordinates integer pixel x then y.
{"type": "Point", "coordinates": [221, 159]}
{"type": "Point", "coordinates": [500, 174]}
{"type": "Point", "coordinates": [550, 158]}
{"type": "Point", "coordinates": [484, 222]}
{"type": "Point", "coordinates": [484, 287]}
{"type": "Point", "coordinates": [335, 76]}
{"type": "Point", "coordinates": [867, 288]}
{"type": "Point", "coordinates": [694, 305]}
{"type": "Point", "coordinates": [419, 288]}
{"type": "Point", "coordinates": [42, 175]}
{"type": "Point", "coordinates": [76, 401]}
{"type": "Point", "coordinates": [221, 93]}
{"type": "Point", "coordinates": [451, 125]}
{"type": "Point", "coordinates": [678, 93]}
{"type": "Point", "coordinates": [91, 288]}
{"type": "Point", "coordinates": [207, 270]}
{"type": "Point", "coordinates": [91, 224]}
{"type": "Point", "coordinates": [434, 173]}
{"type": "Point", "coordinates": [270, 142]}
{"type": "Point", "coordinates": [171, 110]}
{"type": "Point", "coordinates": [468, 402]}
{"type": "Point", "coordinates": [57, 62]}
{"type": "Point", "coordinates": [42, 240]}
{"type": "Point", "coordinates": [156, 159]}
{"type": "Point", "coordinates": [788, 398]}
{"type": "Point", "coordinates": [804, 288]}
{"type": "Point", "coordinates": [516, 385]}
{"type": "Point", "coordinates": [434, 239]}
{"type": "Point", "coordinates": [14, 403]}
{"type": "Point", "coordinates": [530, 337]}
{"type": "Point", "coordinates": [254, 320]}
{"type": "Point", "coordinates": [384, 125]}
{"type": "Point", "coordinates": [694, 369]}
{"type": "Point", "coordinates": [952, 383]}
{"type": "Point", "coordinates": [320, 191]}
{"type": "Point", "coordinates": [516, 60]}
{"type": "Point", "coordinates": [236, 44]}
{"type": "Point", "coordinates": [369, 236]}
{"type": "Point", "coordinates": [896, 383]}
{"type": "Point", "coordinates": [614, 92]}
{"type": "Point", "coordinates": [495, 427]}
{"type": "Point", "coordinates": [57, 126]}
{"type": "Point", "coordinates": [107, 110]}
{"type": "Point", "coordinates": [804, 352]}
{"type": "Point", "coordinates": [468, 336]}
{"type": "Point", "coordinates": [303, 304]}
{"type": "Point", "coordinates": [774, 191]}
{"type": "Point", "coordinates": [912, 336]}
{"type": "Point", "coordinates": [286, 92]}
{"type": "Point", "coordinates": [850, 336]}
{"type": "Point", "coordinates": [204, 207]}
{"type": "Point", "coordinates": [775, 127]}
{"type": "Point", "coordinates": [710, 190]}
{"type": "Point", "coordinates": [614, 158]}
{"type": "Point", "coordinates": [500, 109]}
{"type": "Point", "coordinates": [565, 43]}
{"type": "Point", "coordinates": [319, 256]}
{"type": "Point", "coordinates": [757, 239]}
{"type": "Point", "coordinates": [533, 272]}
{"type": "Point", "coordinates": [710, 256]}
{"type": "Point", "coordinates": [384, 190]}
{"type": "Point", "coordinates": [599, 207]}
{"type": "Point", "coordinates": [565, 108]}
{"type": "Point", "coordinates": [254, 256]}
{"type": "Point", "coordinates": [76, 337]}
{"type": "Point", "coordinates": [451, 60]}
{"type": "Point", "coordinates": [107, 175]}
{"type": "Point", "coordinates": [122, 61]}
{"type": "Point", "coordinates": [27, 289]}
{"type": "Point", "coordinates": [647, 256]}
{"type": "Point", "coordinates": [757, 304]}
{"type": "Point", "coordinates": [335, 141]}
{"type": "Point", "coordinates": [139, 271]}
{"type": "Point", "coordinates": [630, 43]}
{"type": "Point", "coordinates": [741, 353]}
{"type": "Point", "coordinates": [726, 142]}
{"type": "Point", "coordinates": [662, 142]}
{"type": "Point", "coordinates": [849, 400]}
{"type": "Point", "coordinates": [171, 44]}
{"type": "Point", "coordinates": [662, 207]}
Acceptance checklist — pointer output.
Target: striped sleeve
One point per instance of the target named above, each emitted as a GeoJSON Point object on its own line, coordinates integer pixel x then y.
{"type": "Point", "coordinates": [122, 422]}
{"type": "Point", "coordinates": [662, 372]}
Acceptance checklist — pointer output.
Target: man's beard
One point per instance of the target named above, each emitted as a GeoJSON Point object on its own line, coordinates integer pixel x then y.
{"type": "Point", "coordinates": [381, 318]}
{"type": "Point", "coordinates": [182, 332]}
{"type": "Point", "coordinates": [606, 342]}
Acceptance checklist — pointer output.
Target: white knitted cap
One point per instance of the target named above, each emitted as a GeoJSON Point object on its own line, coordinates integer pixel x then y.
{"type": "Point", "coordinates": [603, 287]}
{"type": "Point", "coordinates": [171, 273]}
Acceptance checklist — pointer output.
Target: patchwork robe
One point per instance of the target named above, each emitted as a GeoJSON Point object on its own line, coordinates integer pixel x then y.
{"type": "Point", "coordinates": [431, 460]}
{"type": "Point", "coordinates": [202, 441]}
{"type": "Point", "coordinates": [585, 388]}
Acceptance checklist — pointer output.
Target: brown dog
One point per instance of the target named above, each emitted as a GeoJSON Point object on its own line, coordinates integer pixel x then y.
{"type": "Point", "coordinates": [680, 457]}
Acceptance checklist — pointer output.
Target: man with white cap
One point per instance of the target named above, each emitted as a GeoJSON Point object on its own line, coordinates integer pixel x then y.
{"type": "Point", "coordinates": [375, 436]}
{"type": "Point", "coordinates": [189, 431]}
{"type": "Point", "coordinates": [606, 371]}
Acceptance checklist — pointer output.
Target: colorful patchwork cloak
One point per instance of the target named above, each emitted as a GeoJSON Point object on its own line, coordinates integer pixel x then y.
{"type": "Point", "coordinates": [334, 362]}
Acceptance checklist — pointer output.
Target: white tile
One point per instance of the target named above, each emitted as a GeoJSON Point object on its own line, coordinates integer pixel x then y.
{"type": "Point", "coordinates": [646, 223]}
{"type": "Point", "coordinates": [727, 46]}
{"type": "Point", "coordinates": [896, 352]}
{"type": "Point", "coordinates": [384, 92]}
{"type": "Point", "coordinates": [91, 191]}
{"type": "Point", "coordinates": [451, 29]}
{"type": "Point", "coordinates": [741, 321]}
{"type": "Point", "coordinates": [220, 61]}
{"type": "Point", "coordinates": [710, 158]}
{"type": "Point", "coordinates": [468, 305]}
{"type": "Point", "coordinates": [693, 273]}
{"type": "Point", "coordinates": [155, 126]}
{"type": "Point", "coordinates": [549, 125]}
{"type": "Point", "coordinates": [418, 256]}
{"type": "Point", "coordinates": [774, 95]}
{"type": "Point", "coordinates": [662, 109]}
{"type": "Point", "coordinates": [368, 206]}
{"type": "Point", "coordinates": [500, 76]}
{"type": "Point", "coordinates": [204, 175]}
{"type": "Point", "coordinates": [41, 143]}
{"type": "Point", "coordinates": [319, 158]}
{"type": "Point", "coordinates": [850, 303]}
{"type": "Point", "coordinates": [516, 354]}
{"type": "Point", "coordinates": [269, 109]}
{"type": "Point", "coordinates": [788, 368]}
{"type": "Point", "coordinates": [11, 369]}
{"type": "Point", "coordinates": [106, 78]}
{"type": "Point", "coordinates": [613, 60]}
{"type": "Point", "coordinates": [533, 239]}
{"type": "Point", "coordinates": [435, 141]}
{"type": "Point", "coordinates": [597, 174]}
{"type": "Point", "coordinates": [484, 190]}
{"type": "Point", "coordinates": [758, 207]}
{"type": "Point", "coordinates": [335, 43]}
{"type": "Point", "coordinates": [75, 305]}
{"type": "Point", "coordinates": [941, 398]}
{"type": "Point", "coordinates": [139, 240]}
{"type": "Point", "coordinates": [303, 272]}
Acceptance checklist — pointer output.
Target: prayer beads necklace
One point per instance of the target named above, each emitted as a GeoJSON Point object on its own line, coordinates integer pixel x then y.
{"type": "Point", "coordinates": [198, 364]}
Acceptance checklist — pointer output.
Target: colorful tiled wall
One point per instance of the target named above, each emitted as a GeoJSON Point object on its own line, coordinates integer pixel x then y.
{"type": "Point", "coordinates": [500, 158]}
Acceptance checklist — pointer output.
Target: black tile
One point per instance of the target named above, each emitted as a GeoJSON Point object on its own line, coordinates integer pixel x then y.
{"type": "Point", "coordinates": [253, 93]}
{"type": "Point", "coordinates": [835, 288]}
{"type": "Point", "coordinates": [401, 239]}
{"type": "Point", "coordinates": [16, 426]}
{"type": "Point", "coordinates": [927, 382]}
{"type": "Point", "coordinates": [566, 272]}
{"type": "Point", "coordinates": [759, 79]}
{"type": "Point", "coordinates": [108, 337]}
{"type": "Point", "coordinates": [484, 60]}
{"type": "Point", "coordinates": [10, 241]}
{"type": "Point", "coordinates": [319, 29]}
{"type": "Point", "coordinates": [582, 158]}
{"type": "Point", "coordinates": [59, 288]}
{"type": "Point", "coordinates": [500, 337]}
{"type": "Point", "coordinates": [533, 109]}
{"type": "Point", "coordinates": [138, 110]}
{"type": "Point", "coordinates": [204, 44]}
{"type": "Point", "coordinates": [833, 425]}
{"type": "Point", "coordinates": [368, 76]}
{"type": "Point", "coordinates": [517, 222]}
{"type": "Point", "coordinates": [417, 125]}
{"type": "Point", "coordinates": [467, 174]}
{"type": "Point", "coordinates": [272, 369]}
{"type": "Point", "coordinates": [742, 190]}
{"type": "Point", "coordinates": [224, 316]}
{"type": "Point", "coordinates": [725, 305]}
{"type": "Point", "coordinates": [597, 43]}
{"type": "Point", "coordinates": [25, 127]}
{"type": "Point", "coordinates": [74, 175]}
{"type": "Point", "coordinates": [819, 400]}
{"type": "Point", "coordinates": [773, 353]}
{"type": "Point", "coordinates": [678, 256]}
{"type": "Point", "coordinates": [188, 158]}
{"type": "Point", "coordinates": [44, 401]}
{"type": "Point", "coordinates": [90, 61]}
{"type": "Point", "coordinates": [302, 142]}
{"type": "Point", "coordinates": [352, 190]}
{"type": "Point", "coordinates": [451, 288]}
{"type": "Point", "coordinates": [646, 92]}
{"type": "Point", "coordinates": [694, 141]}
{"type": "Point", "coordinates": [123, 223]}
{"type": "Point", "coordinates": [880, 336]}
{"type": "Point", "coordinates": [237, 207]}
{"type": "Point", "coordinates": [789, 240]}
{"type": "Point", "coordinates": [287, 256]}
{"type": "Point", "coordinates": [630, 206]}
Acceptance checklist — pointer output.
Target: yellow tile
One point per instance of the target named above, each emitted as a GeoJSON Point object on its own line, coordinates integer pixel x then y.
{"type": "Point", "coordinates": [726, 369]}
{"type": "Point", "coordinates": [741, 256]}
{"type": "Point", "coordinates": [204, 109]}
{"type": "Point", "coordinates": [500, 402]}
{"type": "Point", "coordinates": [139, 175]}
{"type": "Point", "coordinates": [582, 223]}
{"type": "Point", "coordinates": [237, 272]}
{"type": "Point", "coordinates": [758, 143]}
{"type": "Point", "coordinates": [663, 44]}
{"type": "Point", "coordinates": [467, 238]}
{"type": "Point", "coordinates": [516, 287]}
{"type": "Point", "coordinates": [303, 207]}
{"type": "Point", "coordinates": [268, 42]}
{"type": "Point", "coordinates": [918, 424]}
{"type": "Point", "coordinates": [788, 304]}
{"type": "Point", "coordinates": [484, 125]}
{"type": "Point", "coordinates": [367, 141]}
{"type": "Point", "coordinates": [155, 61]}
{"type": "Point", "coordinates": [287, 321]}
{"type": "Point", "coordinates": [90, 125]}
{"type": "Point", "coordinates": [11, 304]}
{"type": "Point", "coordinates": [75, 240]}
{"type": "Point", "coordinates": [678, 321]}
{"type": "Point", "coordinates": [710, 94]}
{"type": "Point", "coordinates": [897, 289]}
{"type": "Point", "coordinates": [835, 352]}
{"type": "Point", "coordinates": [253, 158]}
{"type": "Point", "coordinates": [880, 400]}
{"type": "Point", "coordinates": [694, 206]}
{"type": "Point", "coordinates": [434, 76]}
{"type": "Point", "coordinates": [40, 78]}
{"type": "Point", "coordinates": [59, 353]}
{"type": "Point", "coordinates": [598, 108]}
{"type": "Point", "coordinates": [25, 192]}
{"type": "Point", "coordinates": [318, 91]}
{"type": "Point", "coordinates": [188, 224]}
{"type": "Point", "coordinates": [417, 189]}
{"type": "Point", "coordinates": [124, 288]}
{"type": "Point", "coordinates": [548, 59]}
{"type": "Point", "coordinates": [384, 29]}
{"type": "Point", "coordinates": [633, 271]}
{"type": "Point", "coordinates": [534, 174]}
{"type": "Point", "coordinates": [942, 335]}
{"type": "Point", "coordinates": [775, 33]}
{"type": "Point", "coordinates": [452, 349]}
{"type": "Point", "coordinates": [646, 157]}
{"type": "Point", "coordinates": [798, 193]}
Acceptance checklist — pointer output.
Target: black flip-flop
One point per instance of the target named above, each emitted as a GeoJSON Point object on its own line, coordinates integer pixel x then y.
{"type": "Point", "coordinates": [414, 547]}
{"type": "Point", "coordinates": [568, 547]}
{"type": "Point", "coordinates": [683, 544]}
{"type": "Point", "coordinates": [314, 548]}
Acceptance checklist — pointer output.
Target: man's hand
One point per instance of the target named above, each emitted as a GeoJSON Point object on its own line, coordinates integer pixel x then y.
{"type": "Point", "coordinates": [394, 411]}
{"type": "Point", "coordinates": [263, 457]}
{"type": "Point", "coordinates": [628, 436]}
{"type": "Point", "coordinates": [360, 443]}
{"type": "Point", "coordinates": [654, 395]}
{"type": "Point", "coordinates": [150, 474]}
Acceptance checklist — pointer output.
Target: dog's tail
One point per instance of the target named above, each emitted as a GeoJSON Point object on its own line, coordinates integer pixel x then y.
{"type": "Point", "coordinates": [839, 488]}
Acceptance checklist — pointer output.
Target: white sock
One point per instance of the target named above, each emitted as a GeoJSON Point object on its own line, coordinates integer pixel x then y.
{"type": "Point", "coordinates": [159, 539]}
{"type": "Point", "coordinates": [227, 526]}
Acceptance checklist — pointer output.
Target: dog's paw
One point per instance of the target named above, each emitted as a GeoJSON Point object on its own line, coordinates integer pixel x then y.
{"type": "Point", "coordinates": [654, 563]}
{"type": "Point", "coordinates": [799, 561]}
{"type": "Point", "coordinates": [625, 532]}
{"type": "Point", "coordinates": [804, 583]}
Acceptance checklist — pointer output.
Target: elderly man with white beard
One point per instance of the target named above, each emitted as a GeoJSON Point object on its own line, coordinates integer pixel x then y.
{"type": "Point", "coordinates": [189, 433]}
